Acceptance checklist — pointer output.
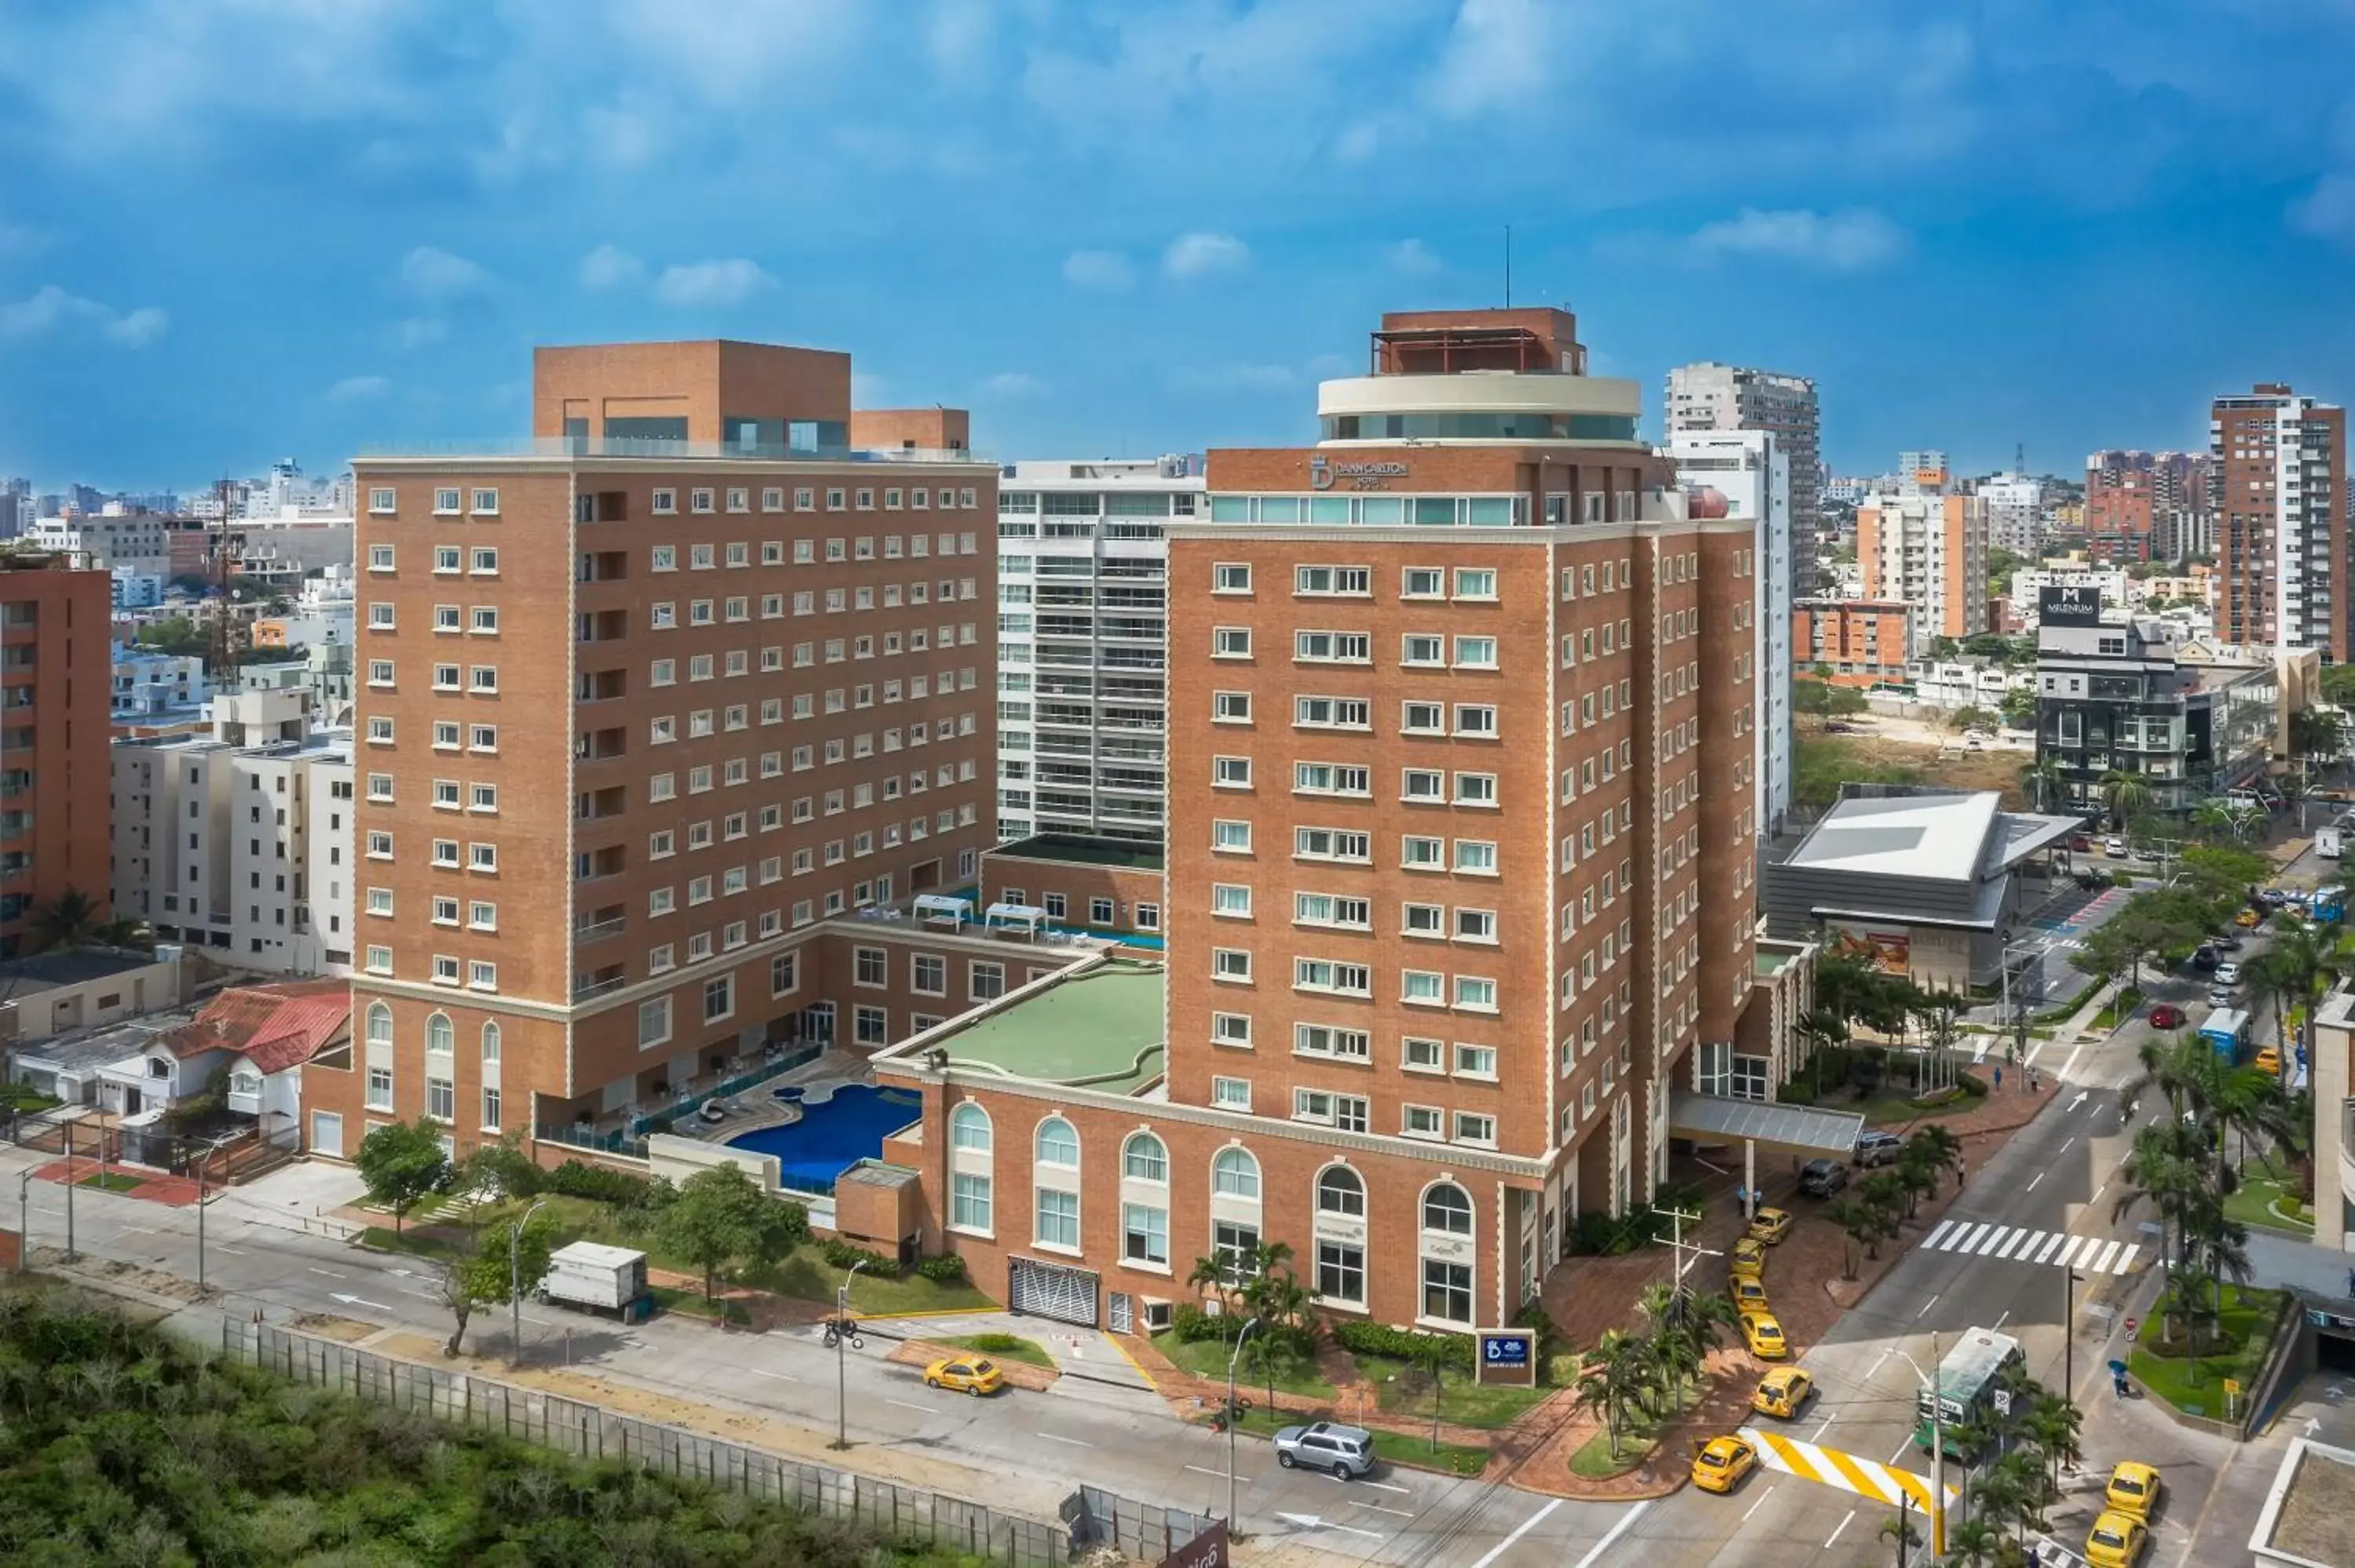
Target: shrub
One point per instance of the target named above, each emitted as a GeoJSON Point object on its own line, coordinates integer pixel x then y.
{"type": "Point", "coordinates": [1454, 1350]}
{"type": "Point", "coordinates": [599, 1183]}
{"type": "Point", "coordinates": [844, 1254]}
{"type": "Point", "coordinates": [2121, 879]}
{"type": "Point", "coordinates": [947, 1269]}
{"type": "Point", "coordinates": [1973, 1085]}
{"type": "Point", "coordinates": [1191, 1324]}
{"type": "Point", "coordinates": [1685, 1195]}
{"type": "Point", "coordinates": [998, 1344]}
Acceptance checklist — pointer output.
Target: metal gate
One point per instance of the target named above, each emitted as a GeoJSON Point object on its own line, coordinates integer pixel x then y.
{"type": "Point", "coordinates": [1123, 1312]}
{"type": "Point", "coordinates": [1051, 1290]}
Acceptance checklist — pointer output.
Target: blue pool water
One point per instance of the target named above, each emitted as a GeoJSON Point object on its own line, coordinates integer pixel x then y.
{"type": "Point", "coordinates": [833, 1137]}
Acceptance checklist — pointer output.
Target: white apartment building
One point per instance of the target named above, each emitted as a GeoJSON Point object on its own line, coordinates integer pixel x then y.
{"type": "Point", "coordinates": [240, 842]}
{"type": "Point", "coordinates": [1712, 396]}
{"type": "Point", "coordinates": [1750, 469]}
{"type": "Point", "coordinates": [2015, 509]}
{"type": "Point", "coordinates": [1083, 638]}
{"type": "Point", "coordinates": [148, 685]}
{"type": "Point", "coordinates": [133, 540]}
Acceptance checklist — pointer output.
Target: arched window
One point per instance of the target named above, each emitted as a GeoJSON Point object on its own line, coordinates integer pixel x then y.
{"type": "Point", "coordinates": [1058, 1143]}
{"type": "Point", "coordinates": [1446, 1207]}
{"type": "Point", "coordinates": [1235, 1174]}
{"type": "Point", "coordinates": [379, 1024]}
{"type": "Point", "coordinates": [439, 1038]}
{"type": "Point", "coordinates": [1339, 1192]}
{"type": "Point", "coordinates": [969, 1127]}
{"type": "Point", "coordinates": [490, 1042]}
{"type": "Point", "coordinates": [1144, 1157]}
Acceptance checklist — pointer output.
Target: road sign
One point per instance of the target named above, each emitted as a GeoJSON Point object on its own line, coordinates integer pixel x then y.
{"type": "Point", "coordinates": [2003, 1401]}
{"type": "Point", "coordinates": [1847, 1471]}
{"type": "Point", "coordinates": [2231, 1385]}
{"type": "Point", "coordinates": [1508, 1356]}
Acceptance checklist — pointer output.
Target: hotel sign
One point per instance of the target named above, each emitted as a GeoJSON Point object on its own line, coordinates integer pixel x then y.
{"type": "Point", "coordinates": [2069, 605]}
{"type": "Point", "coordinates": [1324, 474]}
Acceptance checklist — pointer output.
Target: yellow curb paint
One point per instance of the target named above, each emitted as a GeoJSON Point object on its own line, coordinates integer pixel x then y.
{"type": "Point", "coordinates": [1115, 1340]}
{"type": "Point", "coordinates": [928, 1312]}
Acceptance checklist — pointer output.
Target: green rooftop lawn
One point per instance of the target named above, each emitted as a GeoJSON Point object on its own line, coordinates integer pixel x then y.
{"type": "Point", "coordinates": [1102, 1028]}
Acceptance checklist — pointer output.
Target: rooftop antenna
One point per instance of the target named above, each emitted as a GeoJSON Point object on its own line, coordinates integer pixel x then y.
{"type": "Point", "coordinates": [1508, 266]}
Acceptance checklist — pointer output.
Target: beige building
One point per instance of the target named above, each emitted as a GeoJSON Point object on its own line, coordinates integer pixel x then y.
{"type": "Point", "coordinates": [1929, 552]}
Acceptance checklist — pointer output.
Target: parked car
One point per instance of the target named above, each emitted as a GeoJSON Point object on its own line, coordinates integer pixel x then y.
{"type": "Point", "coordinates": [1748, 1259]}
{"type": "Point", "coordinates": [1761, 1334]}
{"type": "Point", "coordinates": [1748, 1294]}
{"type": "Point", "coordinates": [2205, 958]}
{"type": "Point", "coordinates": [976, 1377]}
{"type": "Point", "coordinates": [2083, 843]}
{"type": "Point", "coordinates": [2249, 919]}
{"type": "Point", "coordinates": [1879, 1149]}
{"type": "Point", "coordinates": [2116, 1541]}
{"type": "Point", "coordinates": [1347, 1452]}
{"type": "Point", "coordinates": [2167, 1015]}
{"type": "Point", "coordinates": [2134, 1490]}
{"type": "Point", "coordinates": [1822, 1177]}
{"type": "Point", "coordinates": [1770, 1225]}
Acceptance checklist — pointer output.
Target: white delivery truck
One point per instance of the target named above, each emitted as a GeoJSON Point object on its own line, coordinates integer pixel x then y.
{"type": "Point", "coordinates": [2326, 843]}
{"type": "Point", "coordinates": [600, 1278]}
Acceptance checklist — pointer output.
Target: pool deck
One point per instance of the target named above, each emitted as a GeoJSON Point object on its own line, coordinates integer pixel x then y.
{"type": "Point", "coordinates": [817, 1081]}
{"type": "Point", "coordinates": [1101, 1030]}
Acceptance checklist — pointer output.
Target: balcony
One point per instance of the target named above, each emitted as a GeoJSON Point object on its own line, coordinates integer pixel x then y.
{"type": "Point", "coordinates": [588, 988]}
{"type": "Point", "coordinates": [589, 931]}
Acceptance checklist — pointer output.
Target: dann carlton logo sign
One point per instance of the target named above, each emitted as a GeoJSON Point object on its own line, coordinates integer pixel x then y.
{"type": "Point", "coordinates": [1324, 474]}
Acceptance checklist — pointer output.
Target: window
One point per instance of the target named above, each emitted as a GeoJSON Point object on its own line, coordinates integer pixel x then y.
{"type": "Point", "coordinates": [1475, 789]}
{"type": "Point", "coordinates": [1332, 647]}
{"type": "Point", "coordinates": [1336, 581]}
{"type": "Point", "coordinates": [1476, 856]}
{"type": "Point", "coordinates": [1323, 1040]}
{"type": "Point", "coordinates": [969, 1127]}
{"type": "Point", "coordinates": [968, 1198]}
{"type": "Point", "coordinates": [1421, 648]}
{"type": "Point", "coordinates": [1332, 712]}
{"type": "Point", "coordinates": [1234, 1173]}
{"type": "Point", "coordinates": [1474, 583]}
{"type": "Point", "coordinates": [1228, 641]}
{"type": "Point", "coordinates": [1422, 1055]}
{"type": "Point", "coordinates": [1145, 1233]}
{"type": "Point", "coordinates": [1231, 900]}
{"type": "Point", "coordinates": [1422, 718]}
{"type": "Point", "coordinates": [1325, 974]}
{"type": "Point", "coordinates": [1230, 964]}
{"type": "Point", "coordinates": [1476, 926]}
{"type": "Point", "coordinates": [1417, 853]}
{"type": "Point", "coordinates": [1420, 1121]}
{"type": "Point", "coordinates": [1330, 778]}
{"type": "Point", "coordinates": [1058, 1219]}
{"type": "Point", "coordinates": [1476, 1061]}
{"type": "Point", "coordinates": [870, 967]}
{"type": "Point", "coordinates": [1228, 577]}
{"type": "Point", "coordinates": [1478, 995]}
{"type": "Point", "coordinates": [1234, 1094]}
{"type": "Point", "coordinates": [718, 998]}
{"type": "Point", "coordinates": [1446, 1291]}
{"type": "Point", "coordinates": [1447, 1210]}
{"type": "Point", "coordinates": [1145, 1158]}
{"type": "Point", "coordinates": [1476, 719]}
{"type": "Point", "coordinates": [1340, 1271]}
{"type": "Point", "coordinates": [1230, 837]}
{"type": "Point", "coordinates": [987, 981]}
{"type": "Point", "coordinates": [1475, 1128]}
{"type": "Point", "coordinates": [1230, 1029]}
{"type": "Point", "coordinates": [1476, 652]}
{"type": "Point", "coordinates": [1231, 707]}
{"type": "Point", "coordinates": [1331, 909]}
{"type": "Point", "coordinates": [929, 975]}
{"type": "Point", "coordinates": [1421, 985]}
{"type": "Point", "coordinates": [653, 1021]}
{"type": "Point", "coordinates": [1058, 1144]}
{"type": "Point", "coordinates": [1231, 772]}
{"type": "Point", "coordinates": [1331, 844]}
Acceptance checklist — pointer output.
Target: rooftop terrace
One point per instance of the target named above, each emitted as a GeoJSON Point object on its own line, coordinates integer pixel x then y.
{"type": "Point", "coordinates": [1076, 849]}
{"type": "Point", "coordinates": [1098, 1030]}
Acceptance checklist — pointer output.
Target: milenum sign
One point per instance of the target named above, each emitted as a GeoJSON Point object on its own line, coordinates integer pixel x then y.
{"type": "Point", "coordinates": [2069, 604]}
{"type": "Point", "coordinates": [1324, 474]}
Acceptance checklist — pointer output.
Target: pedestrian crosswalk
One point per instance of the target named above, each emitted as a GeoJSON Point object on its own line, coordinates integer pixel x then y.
{"type": "Point", "coordinates": [2020, 1244]}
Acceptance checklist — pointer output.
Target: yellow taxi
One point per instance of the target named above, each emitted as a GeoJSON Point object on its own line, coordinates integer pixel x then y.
{"type": "Point", "coordinates": [2248, 919]}
{"type": "Point", "coordinates": [1749, 1259]}
{"type": "Point", "coordinates": [1763, 1335]}
{"type": "Point", "coordinates": [2268, 1059]}
{"type": "Point", "coordinates": [1720, 1464]}
{"type": "Point", "coordinates": [2134, 1492]}
{"type": "Point", "coordinates": [2116, 1542]}
{"type": "Point", "coordinates": [1782, 1391]}
{"type": "Point", "coordinates": [1770, 1225]}
{"type": "Point", "coordinates": [976, 1376]}
{"type": "Point", "coordinates": [1748, 1294]}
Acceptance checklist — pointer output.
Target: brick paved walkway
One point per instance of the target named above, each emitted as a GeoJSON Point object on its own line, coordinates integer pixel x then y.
{"type": "Point", "coordinates": [155, 1187]}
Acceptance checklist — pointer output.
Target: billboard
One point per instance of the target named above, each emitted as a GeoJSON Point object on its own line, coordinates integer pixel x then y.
{"type": "Point", "coordinates": [2069, 604]}
{"type": "Point", "coordinates": [1507, 1355]}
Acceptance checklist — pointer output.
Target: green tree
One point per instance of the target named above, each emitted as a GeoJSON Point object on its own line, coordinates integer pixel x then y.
{"type": "Point", "coordinates": [2127, 795]}
{"type": "Point", "coordinates": [491, 1265]}
{"type": "Point", "coordinates": [2053, 1424]}
{"type": "Point", "coordinates": [70, 920]}
{"type": "Point", "coordinates": [2315, 733]}
{"type": "Point", "coordinates": [1937, 1145]}
{"type": "Point", "coordinates": [402, 1162]}
{"type": "Point", "coordinates": [1976, 1541]}
{"type": "Point", "coordinates": [1616, 1380]}
{"type": "Point", "coordinates": [1861, 1226]}
{"type": "Point", "coordinates": [1901, 1529]}
{"type": "Point", "coordinates": [2019, 708]}
{"type": "Point", "coordinates": [1917, 1171]}
{"type": "Point", "coordinates": [722, 1219]}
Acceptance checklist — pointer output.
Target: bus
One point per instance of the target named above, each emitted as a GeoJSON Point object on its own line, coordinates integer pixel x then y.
{"type": "Point", "coordinates": [1980, 1364]}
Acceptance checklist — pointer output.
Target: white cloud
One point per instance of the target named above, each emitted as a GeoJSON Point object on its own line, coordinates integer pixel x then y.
{"type": "Point", "coordinates": [1841, 241]}
{"type": "Point", "coordinates": [1012, 384]}
{"type": "Point", "coordinates": [1239, 377]}
{"type": "Point", "coordinates": [359, 389]}
{"type": "Point", "coordinates": [1409, 256]}
{"type": "Point", "coordinates": [712, 285]}
{"type": "Point", "coordinates": [1199, 253]}
{"type": "Point", "coordinates": [418, 330]}
{"type": "Point", "coordinates": [51, 308]}
{"type": "Point", "coordinates": [610, 267]}
{"type": "Point", "coordinates": [439, 275]}
{"type": "Point", "coordinates": [1104, 272]}
{"type": "Point", "coordinates": [2329, 209]}
{"type": "Point", "coordinates": [1496, 54]}
{"type": "Point", "coordinates": [138, 329]}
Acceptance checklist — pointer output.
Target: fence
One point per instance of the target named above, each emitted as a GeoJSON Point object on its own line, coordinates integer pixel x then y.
{"type": "Point", "coordinates": [1089, 1517]}
{"type": "Point", "coordinates": [237, 1157]}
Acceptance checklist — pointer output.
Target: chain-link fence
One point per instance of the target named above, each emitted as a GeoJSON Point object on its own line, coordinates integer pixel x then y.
{"type": "Point", "coordinates": [1091, 1517]}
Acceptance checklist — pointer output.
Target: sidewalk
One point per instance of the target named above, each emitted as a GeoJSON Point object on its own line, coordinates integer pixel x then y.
{"type": "Point", "coordinates": [1088, 1353]}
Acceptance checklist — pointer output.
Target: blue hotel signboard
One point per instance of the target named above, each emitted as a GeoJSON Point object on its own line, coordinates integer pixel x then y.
{"type": "Point", "coordinates": [1507, 1355]}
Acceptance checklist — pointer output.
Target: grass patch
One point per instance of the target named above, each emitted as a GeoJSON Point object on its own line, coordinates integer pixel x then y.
{"type": "Point", "coordinates": [1393, 1447]}
{"type": "Point", "coordinates": [413, 1243]}
{"type": "Point", "coordinates": [1208, 1358]}
{"type": "Point", "coordinates": [691, 1304]}
{"type": "Point", "coordinates": [2197, 1388]}
{"type": "Point", "coordinates": [2119, 1008]}
{"type": "Point", "coordinates": [2268, 1195]}
{"type": "Point", "coordinates": [2068, 1010]}
{"type": "Point", "coordinates": [1004, 1348]}
{"type": "Point", "coordinates": [1596, 1460]}
{"type": "Point", "coordinates": [1403, 1390]}
{"type": "Point", "coordinates": [112, 1182]}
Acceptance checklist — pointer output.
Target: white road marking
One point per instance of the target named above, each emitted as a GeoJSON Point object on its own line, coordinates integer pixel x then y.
{"type": "Point", "coordinates": [2102, 1263]}
{"type": "Point", "coordinates": [2097, 1195]}
{"type": "Point", "coordinates": [1901, 1448]}
{"type": "Point", "coordinates": [1757, 1503]}
{"type": "Point", "coordinates": [1886, 1353]}
{"type": "Point", "coordinates": [2006, 1312]}
{"type": "Point", "coordinates": [1519, 1530]}
{"type": "Point", "coordinates": [2032, 1181]}
{"type": "Point", "coordinates": [1965, 1245]}
{"type": "Point", "coordinates": [2064, 1148]}
{"type": "Point", "coordinates": [2125, 1257]}
{"type": "Point", "coordinates": [2081, 1096]}
{"type": "Point", "coordinates": [330, 1273]}
{"type": "Point", "coordinates": [1925, 1307]}
{"type": "Point", "coordinates": [1379, 1508]}
{"type": "Point", "coordinates": [781, 1377]}
{"type": "Point", "coordinates": [920, 1409]}
{"type": "Point", "coordinates": [1827, 1423]}
{"type": "Point", "coordinates": [218, 1246]}
{"type": "Point", "coordinates": [2023, 1241]}
{"type": "Point", "coordinates": [1594, 1555]}
{"type": "Point", "coordinates": [1386, 1486]}
{"type": "Point", "coordinates": [1074, 1442]}
{"type": "Point", "coordinates": [1199, 1470]}
{"type": "Point", "coordinates": [2069, 1251]}
{"type": "Point", "coordinates": [1988, 1245]}
{"type": "Point", "coordinates": [1932, 1239]}
{"type": "Point", "coordinates": [2055, 1240]}
{"type": "Point", "coordinates": [1836, 1529]}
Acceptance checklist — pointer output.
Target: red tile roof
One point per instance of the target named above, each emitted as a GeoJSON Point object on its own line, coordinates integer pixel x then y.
{"type": "Point", "coordinates": [271, 1026]}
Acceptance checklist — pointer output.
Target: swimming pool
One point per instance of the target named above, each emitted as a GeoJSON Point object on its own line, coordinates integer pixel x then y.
{"type": "Point", "coordinates": [833, 1136]}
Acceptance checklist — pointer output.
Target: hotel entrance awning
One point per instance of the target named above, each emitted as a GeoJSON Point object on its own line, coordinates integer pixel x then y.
{"type": "Point", "coordinates": [1803, 1129]}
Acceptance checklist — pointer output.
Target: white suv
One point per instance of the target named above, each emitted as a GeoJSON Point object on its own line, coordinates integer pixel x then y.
{"type": "Point", "coordinates": [1346, 1451]}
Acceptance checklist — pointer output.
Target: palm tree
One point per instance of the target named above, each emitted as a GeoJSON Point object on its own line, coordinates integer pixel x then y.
{"type": "Point", "coordinates": [1973, 1542]}
{"type": "Point", "coordinates": [68, 920]}
{"type": "Point", "coordinates": [1899, 1528]}
{"type": "Point", "coordinates": [1617, 1379]}
{"type": "Point", "coordinates": [1943, 1149]}
{"type": "Point", "coordinates": [2053, 1424]}
{"type": "Point", "coordinates": [2165, 1167]}
{"type": "Point", "coordinates": [2040, 781]}
{"type": "Point", "coordinates": [1918, 1174]}
{"type": "Point", "coordinates": [1860, 1224]}
{"type": "Point", "coordinates": [2127, 795]}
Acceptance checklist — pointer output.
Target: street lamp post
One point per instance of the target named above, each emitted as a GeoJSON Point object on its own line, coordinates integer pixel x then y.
{"type": "Point", "coordinates": [2070, 1280]}
{"type": "Point", "coordinates": [24, 1222]}
{"type": "Point", "coordinates": [70, 1254]}
{"type": "Point", "coordinates": [841, 1350]}
{"type": "Point", "coordinates": [1242, 1334]}
{"type": "Point", "coordinates": [1938, 1447]}
{"type": "Point", "coordinates": [515, 1279]}
{"type": "Point", "coordinates": [203, 1164]}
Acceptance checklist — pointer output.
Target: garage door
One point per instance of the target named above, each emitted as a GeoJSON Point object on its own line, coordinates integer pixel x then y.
{"type": "Point", "coordinates": [1051, 1290]}
{"type": "Point", "coordinates": [327, 1134]}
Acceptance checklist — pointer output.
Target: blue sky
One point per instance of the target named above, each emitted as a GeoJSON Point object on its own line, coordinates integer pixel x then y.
{"type": "Point", "coordinates": [233, 230]}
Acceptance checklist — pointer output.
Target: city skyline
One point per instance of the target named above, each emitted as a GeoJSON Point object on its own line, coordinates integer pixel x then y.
{"type": "Point", "coordinates": [1943, 228]}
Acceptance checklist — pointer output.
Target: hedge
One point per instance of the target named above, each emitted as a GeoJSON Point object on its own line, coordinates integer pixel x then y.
{"type": "Point", "coordinates": [947, 1269]}
{"type": "Point", "coordinates": [843, 1254]}
{"type": "Point", "coordinates": [1401, 1344]}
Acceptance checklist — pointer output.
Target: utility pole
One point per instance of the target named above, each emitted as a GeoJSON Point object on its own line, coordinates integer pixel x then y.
{"type": "Point", "coordinates": [24, 1222]}
{"type": "Point", "coordinates": [841, 1351]}
{"type": "Point", "coordinates": [1937, 1456]}
{"type": "Point", "coordinates": [1241, 1335]}
{"type": "Point", "coordinates": [515, 1279]}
